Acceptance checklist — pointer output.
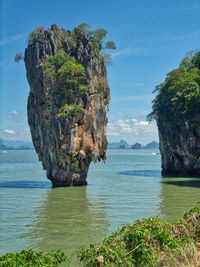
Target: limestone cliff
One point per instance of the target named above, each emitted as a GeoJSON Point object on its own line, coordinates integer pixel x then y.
{"type": "Point", "coordinates": [176, 109]}
{"type": "Point", "coordinates": [179, 148]}
{"type": "Point", "coordinates": [69, 94]}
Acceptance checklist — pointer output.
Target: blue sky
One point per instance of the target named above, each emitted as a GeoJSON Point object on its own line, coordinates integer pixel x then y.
{"type": "Point", "coordinates": [151, 36]}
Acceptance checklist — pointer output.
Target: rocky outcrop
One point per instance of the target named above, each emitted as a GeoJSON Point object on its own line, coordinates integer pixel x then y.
{"type": "Point", "coordinates": [176, 109]}
{"type": "Point", "coordinates": [179, 147]}
{"type": "Point", "coordinates": [69, 94]}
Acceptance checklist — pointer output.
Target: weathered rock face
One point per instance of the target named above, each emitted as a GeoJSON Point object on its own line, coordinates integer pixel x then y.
{"type": "Point", "coordinates": [67, 104]}
{"type": "Point", "coordinates": [180, 147]}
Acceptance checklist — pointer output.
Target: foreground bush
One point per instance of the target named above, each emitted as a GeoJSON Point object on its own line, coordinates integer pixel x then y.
{"type": "Point", "coordinates": [149, 242]}
{"type": "Point", "coordinates": [29, 258]}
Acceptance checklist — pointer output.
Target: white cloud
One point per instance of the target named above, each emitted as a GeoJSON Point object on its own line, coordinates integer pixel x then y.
{"type": "Point", "coordinates": [124, 52]}
{"type": "Point", "coordinates": [27, 130]}
{"type": "Point", "coordinates": [15, 112]}
{"type": "Point", "coordinates": [9, 131]}
{"type": "Point", "coordinates": [127, 130]}
{"type": "Point", "coordinates": [143, 123]}
{"type": "Point", "coordinates": [135, 84]}
{"type": "Point", "coordinates": [134, 120]}
{"type": "Point", "coordinates": [112, 133]}
{"type": "Point", "coordinates": [9, 117]}
{"type": "Point", "coordinates": [132, 130]}
{"type": "Point", "coordinates": [11, 39]}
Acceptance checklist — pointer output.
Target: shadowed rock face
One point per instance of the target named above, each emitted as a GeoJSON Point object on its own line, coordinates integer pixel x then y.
{"type": "Point", "coordinates": [67, 104]}
{"type": "Point", "coordinates": [180, 147]}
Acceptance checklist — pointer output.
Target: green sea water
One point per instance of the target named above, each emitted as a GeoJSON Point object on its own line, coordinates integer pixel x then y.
{"type": "Point", "coordinates": [128, 187]}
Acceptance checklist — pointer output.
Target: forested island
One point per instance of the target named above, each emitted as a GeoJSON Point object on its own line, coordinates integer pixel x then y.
{"type": "Point", "coordinates": [176, 109]}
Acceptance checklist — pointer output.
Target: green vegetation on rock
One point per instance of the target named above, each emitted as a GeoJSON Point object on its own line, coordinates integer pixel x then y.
{"type": "Point", "coordinates": [178, 96]}
{"type": "Point", "coordinates": [73, 73]}
{"type": "Point", "coordinates": [57, 60]}
{"type": "Point", "coordinates": [72, 42]}
{"type": "Point", "coordinates": [96, 36]}
{"type": "Point", "coordinates": [147, 242]}
{"type": "Point", "coordinates": [69, 110]}
{"type": "Point", "coordinates": [31, 258]}
{"type": "Point", "coordinates": [101, 85]}
{"type": "Point", "coordinates": [110, 45]}
{"type": "Point", "coordinates": [18, 57]}
{"type": "Point", "coordinates": [34, 34]}
{"type": "Point", "coordinates": [97, 40]}
{"type": "Point", "coordinates": [67, 71]}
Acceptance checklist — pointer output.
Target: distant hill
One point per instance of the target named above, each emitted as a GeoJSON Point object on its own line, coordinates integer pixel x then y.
{"type": "Point", "coordinates": [121, 144]}
{"type": "Point", "coordinates": [7, 144]}
{"type": "Point", "coordinates": [124, 145]}
{"type": "Point", "coordinates": [152, 145]}
{"type": "Point", "coordinates": [136, 146]}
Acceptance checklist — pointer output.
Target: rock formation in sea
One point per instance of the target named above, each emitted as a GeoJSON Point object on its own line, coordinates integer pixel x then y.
{"type": "Point", "coordinates": [69, 95]}
{"type": "Point", "coordinates": [176, 109]}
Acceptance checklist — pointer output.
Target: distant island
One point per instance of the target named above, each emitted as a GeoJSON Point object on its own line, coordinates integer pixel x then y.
{"type": "Point", "coordinates": [124, 145]}
{"type": "Point", "coordinates": [21, 145]}
{"type": "Point", "coordinates": [15, 145]}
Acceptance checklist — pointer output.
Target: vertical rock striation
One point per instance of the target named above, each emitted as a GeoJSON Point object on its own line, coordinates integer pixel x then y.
{"type": "Point", "coordinates": [69, 94]}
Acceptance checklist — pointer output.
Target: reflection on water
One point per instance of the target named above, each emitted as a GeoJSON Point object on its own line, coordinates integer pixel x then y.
{"type": "Point", "coordinates": [146, 173]}
{"type": "Point", "coordinates": [178, 194]}
{"type": "Point", "coordinates": [190, 182]}
{"type": "Point", "coordinates": [24, 184]}
{"type": "Point", "coordinates": [67, 220]}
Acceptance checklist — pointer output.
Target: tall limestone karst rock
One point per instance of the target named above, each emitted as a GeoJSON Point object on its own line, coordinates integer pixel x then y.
{"type": "Point", "coordinates": [176, 109]}
{"type": "Point", "coordinates": [69, 94]}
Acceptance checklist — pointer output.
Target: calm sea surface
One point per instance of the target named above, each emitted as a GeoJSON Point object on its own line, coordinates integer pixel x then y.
{"type": "Point", "coordinates": [128, 187]}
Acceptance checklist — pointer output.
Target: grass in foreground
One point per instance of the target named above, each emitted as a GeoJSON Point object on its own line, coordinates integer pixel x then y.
{"type": "Point", "coordinates": [150, 242]}
{"type": "Point", "coordinates": [30, 258]}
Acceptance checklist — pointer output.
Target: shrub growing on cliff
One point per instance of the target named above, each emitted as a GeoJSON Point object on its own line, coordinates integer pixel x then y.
{"type": "Point", "coordinates": [101, 85]}
{"type": "Point", "coordinates": [97, 39]}
{"type": "Point", "coordinates": [178, 96]}
{"type": "Point", "coordinates": [64, 68]}
{"type": "Point", "coordinates": [82, 28]}
{"type": "Point", "coordinates": [69, 110]}
{"type": "Point", "coordinates": [110, 45]}
{"type": "Point", "coordinates": [34, 34]}
{"type": "Point", "coordinates": [147, 242]}
{"type": "Point", "coordinates": [71, 72]}
{"type": "Point", "coordinates": [18, 57]}
{"type": "Point", "coordinates": [57, 60]}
